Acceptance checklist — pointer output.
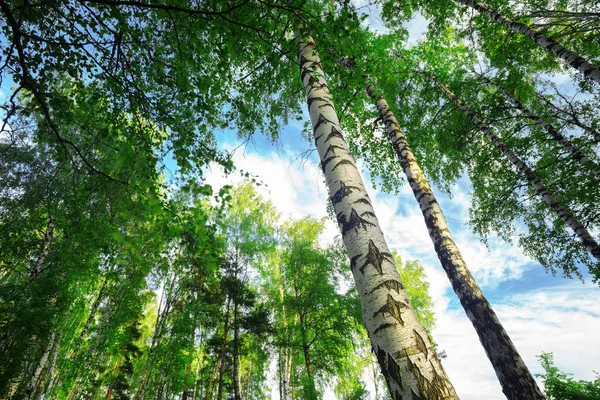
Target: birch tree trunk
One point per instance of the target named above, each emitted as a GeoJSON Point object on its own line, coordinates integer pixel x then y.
{"type": "Point", "coordinates": [573, 59]}
{"type": "Point", "coordinates": [580, 230]}
{"type": "Point", "coordinates": [223, 351]}
{"type": "Point", "coordinates": [515, 379]}
{"type": "Point", "coordinates": [575, 153]}
{"type": "Point", "coordinates": [47, 241]}
{"type": "Point", "coordinates": [406, 356]}
{"type": "Point", "coordinates": [236, 350]}
{"type": "Point", "coordinates": [36, 379]}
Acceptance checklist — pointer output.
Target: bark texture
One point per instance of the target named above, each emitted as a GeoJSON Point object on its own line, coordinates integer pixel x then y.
{"type": "Point", "coordinates": [575, 153]}
{"type": "Point", "coordinates": [406, 356]}
{"type": "Point", "coordinates": [573, 59]}
{"type": "Point", "coordinates": [515, 379]}
{"type": "Point", "coordinates": [45, 250]}
{"type": "Point", "coordinates": [565, 215]}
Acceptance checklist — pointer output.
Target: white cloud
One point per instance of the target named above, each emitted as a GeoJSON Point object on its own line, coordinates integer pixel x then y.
{"type": "Point", "coordinates": [563, 320]}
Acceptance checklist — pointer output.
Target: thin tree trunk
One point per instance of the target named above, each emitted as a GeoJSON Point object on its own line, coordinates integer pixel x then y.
{"type": "Point", "coordinates": [117, 366]}
{"type": "Point", "coordinates": [223, 351]}
{"type": "Point", "coordinates": [407, 358]}
{"type": "Point", "coordinates": [161, 316]}
{"type": "Point", "coordinates": [236, 351]}
{"type": "Point", "coordinates": [94, 309]}
{"type": "Point", "coordinates": [46, 242]}
{"type": "Point", "coordinates": [37, 375]}
{"type": "Point", "coordinates": [52, 368]}
{"type": "Point", "coordinates": [575, 153]}
{"type": "Point", "coordinates": [210, 381]}
{"type": "Point", "coordinates": [188, 369]}
{"type": "Point", "coordinates": [580, 230]}
{"type": "Point", "coordinates": [516, 380]}
{"type": "Point", "coordinates": [573, 59]}
{"type": "Point", "coordinates": [571, 118]}
{"type": "Point", "coordinates": [305, 348]}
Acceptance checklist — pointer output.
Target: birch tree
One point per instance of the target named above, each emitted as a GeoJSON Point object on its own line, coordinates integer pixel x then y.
{"type": "Point", "coordinates": [406, 356]}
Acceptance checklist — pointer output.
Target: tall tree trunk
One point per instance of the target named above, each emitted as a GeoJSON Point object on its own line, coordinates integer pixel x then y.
{"type": "Point", "coordinates": [188, 369]}
{"type": "Point", "coordinates": [516, 380]}
{"type": "Point", "coordinates": [236, 351]}
{"type": "Point", "coordinates": [36, 379]}
{"type": "Point", "coordinates": [116, 369]}
{"type": "Point", "coordinates": [575, 153]}
{"type": "Point", "coordinates": [46, 242]}
{"type": "Point", "coordinates": [580, 230]}
{"type": "Point", "coordinates": [161, 317]}
{"type": "Point", "coordinates": [94, 309]}
{"type": "Point", "coordinates": [573, 59]}
{"type": "Point", "coordinates": [49, 386]}
{"type": "Point", "coordinates": [223, 351]}
{"type": "Point", "coordinates": [407, 358]}
{"type": "Point", "coordinates": [305, 347]}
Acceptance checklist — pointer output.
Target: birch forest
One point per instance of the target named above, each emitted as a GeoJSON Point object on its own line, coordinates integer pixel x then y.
{"type": "Point", "coordinates": [142, 257]}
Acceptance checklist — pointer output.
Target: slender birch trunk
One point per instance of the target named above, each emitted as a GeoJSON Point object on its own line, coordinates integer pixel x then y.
{"type": "Point", "coordinates": [36, 379]}
{"type": "Point", "coordinates": [573, 59]}
{"type": "Point", "coordinates": [161, 317]}
{"type": "Point", "coordinates": [516, 380]}
{"type": "Point", "coordinates": [47, 241]}
{"type": "Point", "coordinates": [223, 351]}
{"type": "Point", "coordinates": [575, 153]}
{"type": "Point", "coordinates": [406, 356]}
{"type": "Point", "coordinates": [566, 216]}
{"type": "Point", "coordinates": [94, 309]}
{"type": "Point", "coordinates": [236, 351]}
{"type": "Point", "coordinates": [571, 118]}
{"type": "Point", "coordinates": [188, 369]}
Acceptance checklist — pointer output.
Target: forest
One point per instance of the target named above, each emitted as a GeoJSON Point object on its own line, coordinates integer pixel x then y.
{"type": "Point", "coordinates": [142, 256]}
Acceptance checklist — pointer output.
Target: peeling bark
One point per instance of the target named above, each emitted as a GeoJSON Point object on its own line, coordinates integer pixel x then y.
{"type": "Point", "coordinates": [574, 60]}
{"type": "Point", "coordinates": [515, 379]}
{"type": "Point", "coordinates": [407, 358]}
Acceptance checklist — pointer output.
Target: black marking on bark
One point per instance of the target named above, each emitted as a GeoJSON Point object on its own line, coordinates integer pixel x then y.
{"type": "Point", "coordinates": [390, 284]}
{"type": "Point", "coordinates": [421, 344]}
{"type": "Point", "coordinates": [343, 162]}
{"type": "Point", "coordinates": [394, 370]}
{"type": "Point", "coordinates": [353, 222]}
{"type": "Point", "coordinates": [375, 258]}
{"type": "Point", "coordinates": [384, 326]}
{"type": "Point", "coordinates": [353, 261]}
{"type": "Point", "coordinates": [415, 396]}
{"type": "Point", "coordinates": [326, 161]}
{"type": "Point", "coordinates": [342, 192]}
{"type": "Point", "coordinates": [369, 213]}
{"type": "Point", "coordinates": [312, 99]}
{"type": "Point", "coordinates": [334, 133]}
{"type": "Point", "coordinates": [392, 307]}
{"type": "Point", "coordinates": [332, 148]}
{"type": "Point", "coordinates": [363, 200]}
{"type": "Point", "coordinates": [321, 120]}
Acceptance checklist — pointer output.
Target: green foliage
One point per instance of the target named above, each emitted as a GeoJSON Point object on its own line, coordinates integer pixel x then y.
{"type": "Point", "coordinates": [561, 386]}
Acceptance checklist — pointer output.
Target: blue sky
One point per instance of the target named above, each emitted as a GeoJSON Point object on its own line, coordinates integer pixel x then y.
{"type": "Point", "coordinates": [541, 313]}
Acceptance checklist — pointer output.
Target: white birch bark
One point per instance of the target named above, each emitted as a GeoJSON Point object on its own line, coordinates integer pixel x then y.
{"type": "Point", "coordinates": [515, 379]}
{"type": "Point", "coordinates": [573, 59]}
{"type": "Point", "coordinates": [575, 153]}
{"type": "Point", "coordinates": [565, 215]}
{"type": "Point", "coordinates": [45, 250]}
{"type": "Point", "coordinates": [406, 356]}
